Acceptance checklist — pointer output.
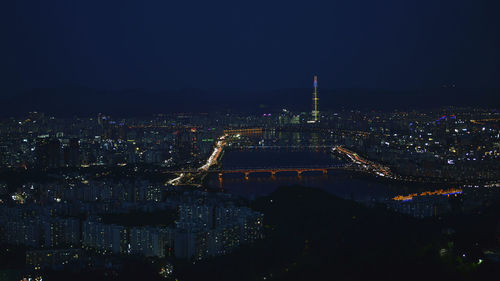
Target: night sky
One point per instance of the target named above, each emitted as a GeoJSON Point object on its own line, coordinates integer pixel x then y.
{"type": "Point", "coordinates": [249, 45]}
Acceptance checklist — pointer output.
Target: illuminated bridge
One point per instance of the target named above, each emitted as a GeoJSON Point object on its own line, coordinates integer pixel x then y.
{"type": "Point", "coordinates": [273, 171]}
{"type": "Point", "coordinates": [244, 131]}
{"type": "Point", "coordinates": [283, 147]}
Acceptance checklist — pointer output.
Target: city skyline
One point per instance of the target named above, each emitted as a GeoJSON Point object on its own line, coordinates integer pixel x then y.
{"type": "Point", "coordinates": [184, 140]}
{"type": "Point", "coordinates": [165, 195]}
{"type": "Point", "coordinates": [71, 101]}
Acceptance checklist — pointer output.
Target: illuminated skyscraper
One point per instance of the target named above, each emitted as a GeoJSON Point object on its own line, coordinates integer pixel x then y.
{"type": "Point", "coordinates": [315, 112]}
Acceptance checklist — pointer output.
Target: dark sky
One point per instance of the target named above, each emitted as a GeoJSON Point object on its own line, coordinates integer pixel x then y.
{"type": "Point", "coordinates": [256, 45]}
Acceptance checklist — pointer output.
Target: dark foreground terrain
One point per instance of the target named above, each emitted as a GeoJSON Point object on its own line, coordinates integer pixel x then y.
{"type": "Point", "coordinates": [312, 235]}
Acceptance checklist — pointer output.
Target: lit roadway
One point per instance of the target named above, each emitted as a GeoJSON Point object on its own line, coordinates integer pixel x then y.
{"type": "Point", "coordinates": [365, 164]}
{"type": "Point", "coordinates": [215, 154]}
{"type": "Point", "coordinates": [219, 147]}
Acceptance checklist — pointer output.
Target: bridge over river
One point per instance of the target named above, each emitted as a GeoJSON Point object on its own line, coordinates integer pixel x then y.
{"type": "Point", "coordinates": [281, 147]}
{"type": "Point", "coordinates": [273, 171]}
{"type": "Point", "coordinates": [221, 143]}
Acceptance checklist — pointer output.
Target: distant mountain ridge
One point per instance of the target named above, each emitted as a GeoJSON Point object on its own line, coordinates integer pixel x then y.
{"type": "Point", "coordinates": [81, 101]}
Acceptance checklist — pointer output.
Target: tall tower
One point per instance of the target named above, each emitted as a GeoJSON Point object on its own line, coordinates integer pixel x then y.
{"type": "Point", "coordinates": [315, 112]}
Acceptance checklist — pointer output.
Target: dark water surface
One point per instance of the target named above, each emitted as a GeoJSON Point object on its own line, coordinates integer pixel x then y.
{"type": "Point", "coordinates": [340, 183]}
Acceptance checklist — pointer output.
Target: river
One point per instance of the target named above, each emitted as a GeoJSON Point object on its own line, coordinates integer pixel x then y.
{"type": "Point", "coordinates": [344, 184]}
